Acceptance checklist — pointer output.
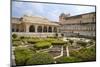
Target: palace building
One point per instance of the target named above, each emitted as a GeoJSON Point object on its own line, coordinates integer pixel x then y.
{"type": "Point", "coordinates": [78, 25]}
{"type": "Point", "coordinates": [34, 26]}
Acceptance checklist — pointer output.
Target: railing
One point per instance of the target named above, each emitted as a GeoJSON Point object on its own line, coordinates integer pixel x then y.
{"type": "Point", "coordinates": [36, 34]}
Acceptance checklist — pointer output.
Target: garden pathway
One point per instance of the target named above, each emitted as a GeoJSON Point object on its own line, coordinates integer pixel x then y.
{"type": "Point", "coordinates": [61, 54]}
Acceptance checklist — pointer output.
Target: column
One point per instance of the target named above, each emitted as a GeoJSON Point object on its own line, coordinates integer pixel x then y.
{"type": "Point", "coordinates": [47, 29]}
{"type": "Point", "coordinates": [36, 26]}
{"type": "Point", "coordinates": [57, 30]}
{"type": "Point", "coordinates": [27, 28]}
{"type": "Point", "coordinates": [14, 28]}
{"type": "Point", "coordinates": [42, 28]}
{"type": "Point", "coordinates": [52, 29]}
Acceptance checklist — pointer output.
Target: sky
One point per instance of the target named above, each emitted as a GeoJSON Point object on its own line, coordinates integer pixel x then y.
{"type": "Point", "coordinates": [49, 11]}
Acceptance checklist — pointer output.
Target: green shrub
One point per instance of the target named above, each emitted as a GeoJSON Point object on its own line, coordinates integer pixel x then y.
{"type": "Point", "coordinates": [94, 38]}
{"type": "Point", "coordinates": [75, 54]}
{"type": "Point", "coordinates": [62, 35]}
{"type": "Point", "coordinates": [17, 39]}
{"type": "Point", "coordinates": [59, 42]}
{"type": "Point", "coordinates": [91, 42]}
{"type": "Point", "coordinates": [40, 58]}
{"type": "Point", "coordinates": [32, 41]}
{"type": "Point", "coordinates": [22, 37]}
{"type": "Point", "coordinates": [86, 54]}
{"type": "Point", "coordinates": [50, 39]}
{"type": "Point", "coordinates": [65, 59]}
{"type": "Point", "coordinates": [22, 55]}
{"type": "Point", "coordinates": [56, 35]}
{"type": "Point", "coordinates": [82, 43]}
{"type": "Point", "coordinates": [42, 45]}
{"type": "Point", "coordinates": [71, 41]}
{"type": "Point", "coordinates": [16, 43]}
{"type": "Point", "coordinates": [14, 36]}
{"type": "Point", "coordinates": [35, 38]}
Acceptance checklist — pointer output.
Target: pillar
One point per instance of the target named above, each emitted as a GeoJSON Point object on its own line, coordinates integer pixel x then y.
{"type": "Point", "coordinates": [42, 28]}
{"type": "Point", "coordinates": [36, 26]}
{"type": "Point", "coordinates": [52, 29]}
{"type": "Point", "coordinates": [27, 28]}
{"type": "Point", "coordinates": [15, 28]}
{"type": "Point", "coordinates": [47, 29]}
{"type": "Point", "coordinates": [57, 30]}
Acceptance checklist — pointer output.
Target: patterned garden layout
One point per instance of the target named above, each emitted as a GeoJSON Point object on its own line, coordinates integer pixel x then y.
{"type": "Point", "coordinates": [51, 50]}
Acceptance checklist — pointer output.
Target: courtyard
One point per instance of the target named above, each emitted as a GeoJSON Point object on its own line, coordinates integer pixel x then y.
{"type": "Point", "coordinates": [51, 50]}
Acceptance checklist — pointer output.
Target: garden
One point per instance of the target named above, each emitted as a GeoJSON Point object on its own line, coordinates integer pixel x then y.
{"type": "Point", "coordinates": [51, 50]}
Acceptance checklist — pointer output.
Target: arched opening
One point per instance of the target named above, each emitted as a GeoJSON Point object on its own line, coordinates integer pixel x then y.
{"type": "Point", "coordinates": [55, 29]}
{"type": "Point", "coordinates": [31, 28]}
{"type": "Point", "coordinates": [17, 30]}
{"type": "Point", "coordinates": [22, 30]}
{"type": "Point", "coordinates": [50, 29]}
{"type": "Point", "coordinates": [45, 29]}
{"type": "Point", "coordinates": [13, 30]}
{"type": "Point", "coordinates": [39, 29]}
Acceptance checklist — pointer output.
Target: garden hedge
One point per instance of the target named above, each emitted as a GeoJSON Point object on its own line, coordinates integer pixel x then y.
{"type": "Point", "coordinates": [65, 59]}
{"type": "Point", "coordinates": [22, 55]}
{"type": "Point", "coordinates": [40, 58]}
{"type": "Point", "coordinates": [42, 45]}
{"type": "Point", "coordinates": [59, 42]}
{"type": "Point", "coordinates": [86, 54]}
{"type": "Point", "coordinates": [16, 43]}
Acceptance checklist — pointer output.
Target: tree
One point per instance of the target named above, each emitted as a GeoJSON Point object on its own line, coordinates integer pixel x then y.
{"type": "Point", "coordinates": [14, 36]}
{"type": "Point", "coordinates": [40, 58]}
{"type": "Point", "coordinates": [62, 35]}
{"type": "Point", "coordinates": [71, 42]}
{"type": "Point", "coordinates": [56, 35]}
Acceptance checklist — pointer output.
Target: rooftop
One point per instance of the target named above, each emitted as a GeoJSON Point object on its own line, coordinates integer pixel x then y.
{"type": "Point", "coordinates": [33, 19]}
{"type": "Point", "coordinates": [80, 15]}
